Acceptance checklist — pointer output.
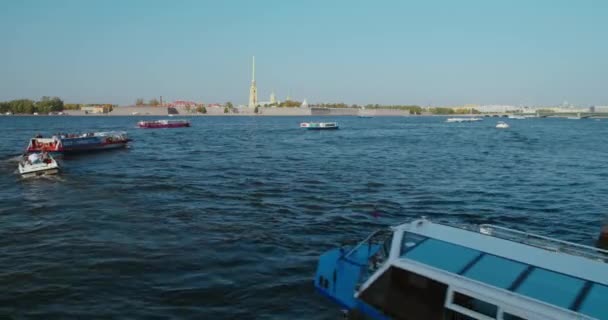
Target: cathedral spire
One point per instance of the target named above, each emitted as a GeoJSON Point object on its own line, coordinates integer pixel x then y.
{"type": "Point", "coordinates": [253, 90]}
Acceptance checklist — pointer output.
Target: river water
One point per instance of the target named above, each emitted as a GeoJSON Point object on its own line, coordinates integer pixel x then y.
{"type": "Point", "coordinates": [226, 219]}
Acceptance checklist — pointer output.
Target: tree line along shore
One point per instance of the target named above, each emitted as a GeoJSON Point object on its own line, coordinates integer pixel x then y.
{"type": "Point", "coordinates": [50, 105]}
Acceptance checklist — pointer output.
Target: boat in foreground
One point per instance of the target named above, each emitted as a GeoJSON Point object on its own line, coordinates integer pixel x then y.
{"type": "Point", "coordinates": [157, 124]}
{"type": "Point", "coordinates": [502, 125]}
{"type": "Point", "coordinates": [431, 271]}
{"type": "Point", "coordinates": [319, 125]}
{"type": "Point", "coordinates": [84, 142]}
{"type": "Point", "coordinates": [38, 164]}
{"type": "Point", "coordinates": [463, 119]}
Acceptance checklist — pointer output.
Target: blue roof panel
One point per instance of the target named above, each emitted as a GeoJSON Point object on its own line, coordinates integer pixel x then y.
{"type": "Point", "coordinates": [442, 255]}
{"type": "Point", "coordinates": [552, 287]}
{"type": "Point", "coordinates": [496, 271]}
{"type": "Point", "coordinates": [596, 302]}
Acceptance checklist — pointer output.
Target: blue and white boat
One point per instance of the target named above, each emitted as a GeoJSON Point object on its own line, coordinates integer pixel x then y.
{"type": "Point", "coordinates": [430, 271]}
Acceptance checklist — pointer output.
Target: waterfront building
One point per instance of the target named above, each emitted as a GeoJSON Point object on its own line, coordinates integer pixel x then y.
{"type": "Point", "coordinates": [182, 104]}
{"type": "Point", "coordinates": [498, 108]}
{"type": "Point", "coordinates": [92, 109]}
{"type": "Point", "coordinates": [600, 109]}
{"type": "Point", "coordinates": [253, 90]}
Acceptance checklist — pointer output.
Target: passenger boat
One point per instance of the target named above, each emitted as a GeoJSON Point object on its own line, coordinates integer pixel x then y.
{"type": "Point", "coordinates": [502, 125]}
{"type": "Point", "coordinates": [319, 125]}
{"type": "Point", "coordinates": [463, 119]}
{"type": "Point", "coordinates": [37, 165]}
{"type": "Point", "coordinates": [432, 271]}
{"type": "Point", "coordinates": [163, 124]}
{"type": "Point", "coordinates": [79, 142]}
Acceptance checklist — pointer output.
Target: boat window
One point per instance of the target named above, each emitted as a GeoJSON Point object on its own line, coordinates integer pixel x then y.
{"type": "Point", "coordinates": [508, 316]}
{"type": "Point", "coordinates": [401, 294]}
{"type": "Point", "coordinates": [475, 304]}
{"type": "Point", "coordinates": [410, 240]}
{"type": "Point", "coordinates": [485, 271]}
{"type": "Point", "coordinates": [552, 287]}
{"type": "Point", "coordinates": [595, 303]}
{"type": "Point", "coordinates": [442, 255]}
{"type": "Point", "coordinates": [453, 315]}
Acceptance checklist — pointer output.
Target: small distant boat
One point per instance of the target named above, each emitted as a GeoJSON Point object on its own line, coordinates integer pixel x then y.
{"type": "Point", "coordinates": [516, 117]}
{"type": "Point", "coordinates": [463, 119]}
{"type": "Point", "coordinates": [319, 125]}
{"type": "Point", "coordinates": [38, 164]}
{"type": "Point", "coordinates": [577, 117]}
{"type": "Point", "coordinates": [502, 125]}
{"type": "Point", "coordinates": [84, 142]}
{"type": "Point", "coordinates": [163, 124]}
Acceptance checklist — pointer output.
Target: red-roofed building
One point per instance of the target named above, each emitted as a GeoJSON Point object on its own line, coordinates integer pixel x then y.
{"type": "Point", "coordinates": [182, 104]}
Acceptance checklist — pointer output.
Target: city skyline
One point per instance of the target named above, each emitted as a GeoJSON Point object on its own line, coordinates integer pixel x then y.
{"type": "Point", "coordinates": [393, 52]}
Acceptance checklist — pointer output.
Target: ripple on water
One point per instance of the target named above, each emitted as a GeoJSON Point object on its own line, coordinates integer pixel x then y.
{"type": "Point", "coordinates": [228, 218]}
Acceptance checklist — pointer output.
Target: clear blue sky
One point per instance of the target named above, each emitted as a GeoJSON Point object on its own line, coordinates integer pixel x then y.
{"type": "Point", "coordinates": [388, 52]}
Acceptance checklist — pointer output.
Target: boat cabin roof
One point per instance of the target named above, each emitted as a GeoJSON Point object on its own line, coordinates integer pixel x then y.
{"type": "Point", "coordinates": [506, 265]}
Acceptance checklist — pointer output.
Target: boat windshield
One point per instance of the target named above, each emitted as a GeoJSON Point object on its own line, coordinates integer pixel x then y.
{"type": "Point", "coordinates": [375, 249]}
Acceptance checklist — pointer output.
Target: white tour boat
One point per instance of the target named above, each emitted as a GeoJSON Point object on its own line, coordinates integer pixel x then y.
{"type": "Point", "coordinates": [429, 271]}
{"type": "Point", "coordinates": [502, 125]}
{"type": "Point", "coordinates": [319, 125]}
{"type": "Point", "coordinates": [38, 164]}
{"type": "Point", "coordinates": [463, 119]}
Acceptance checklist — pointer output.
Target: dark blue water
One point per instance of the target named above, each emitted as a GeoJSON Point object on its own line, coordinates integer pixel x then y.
{"type": "Point", "coordinates": [226, 219]}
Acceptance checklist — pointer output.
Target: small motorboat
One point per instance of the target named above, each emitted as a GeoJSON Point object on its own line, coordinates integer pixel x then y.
{"type": "Point", "coordinates": [463, 119]}
{"type": "Point", "coordinates": [38, 164]}
{"type": "Point", "coordinates": [319, 125]}
{"type": "Point", "coordinates": [157, 124]}
{"type": "Point", "coordinates": [502, 125]}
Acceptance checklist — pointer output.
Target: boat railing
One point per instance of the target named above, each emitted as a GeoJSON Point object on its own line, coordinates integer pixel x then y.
{"type": "Point", "coordinates": [383, 238]}
{"type": "Point", "coordinates": [543, 242]}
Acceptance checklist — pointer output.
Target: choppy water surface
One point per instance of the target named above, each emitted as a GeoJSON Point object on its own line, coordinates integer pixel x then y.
{"type": "Point", "coordinates": [226, 219]}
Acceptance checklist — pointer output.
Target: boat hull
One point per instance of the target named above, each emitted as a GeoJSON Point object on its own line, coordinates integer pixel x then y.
{"type": "Point", "coordinates": [48, 172]}
{"type": "Point", "coordinates": [321, 128]}
{"type": "Point", "coordinates": [162, 126]}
